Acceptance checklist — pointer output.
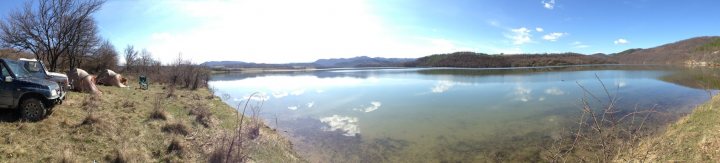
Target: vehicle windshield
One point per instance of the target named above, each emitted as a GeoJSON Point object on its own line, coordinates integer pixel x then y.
{"type": "Point", "coordinates": [16, 68]}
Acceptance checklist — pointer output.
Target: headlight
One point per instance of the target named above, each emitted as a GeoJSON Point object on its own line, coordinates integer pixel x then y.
{"type": "Point", "coordinates": [53, 92]}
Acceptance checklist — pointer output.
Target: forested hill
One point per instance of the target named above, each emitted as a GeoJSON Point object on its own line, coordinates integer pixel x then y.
{"type": "Point", "coordinates": [691, 51]}
{"type": "Point", "coordinates": [362, 61]}
{"type": "Point", "coordinates": [479, 60]}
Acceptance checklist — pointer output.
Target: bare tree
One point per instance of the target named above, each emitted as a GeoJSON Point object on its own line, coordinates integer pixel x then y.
{"type": "Point", "coordinates": [145, 59]}
{"type": "Point", "coordinates": [53, 30]}
{"type": "Point", "coordinates": [130, 57]}
{"type": "Point", "coordinates": [104, 57]}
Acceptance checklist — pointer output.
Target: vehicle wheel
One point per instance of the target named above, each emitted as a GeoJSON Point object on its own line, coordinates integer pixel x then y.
{"type": "Point", "coordinates": [32, 109]}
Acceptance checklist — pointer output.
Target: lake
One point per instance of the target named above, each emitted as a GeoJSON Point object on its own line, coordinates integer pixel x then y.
{"type": "Point", "coordinates": [451, 114]}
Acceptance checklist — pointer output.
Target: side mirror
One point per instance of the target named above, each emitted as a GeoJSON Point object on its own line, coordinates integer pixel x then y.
{"type": "Point", "coordinates": [8, 79]}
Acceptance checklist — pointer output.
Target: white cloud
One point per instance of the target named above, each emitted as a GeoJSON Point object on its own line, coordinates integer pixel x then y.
{"type": "Point", "coordinates": [620, 41]}
{"type": "Point", "coordinates": [549, 4]}
{"type": "Point", "coordinates": [292, 107]}
{"type": "Point", "coordinates": [311, 104]}
{"type": "Point", "coordinates": [520, 36]}
{"type": "Point", "coordinates": [579, 45]}
{"type": "Point", "coordinates": [346, 124]}
{"type": "Point", "coordinates": [554, 91]}
{"type": "Point", "coordinates": [554, 36]}
{"type": "Point", "coordinates": [442, 86]}
{"type": "Point", "coordinates": [538, 29]}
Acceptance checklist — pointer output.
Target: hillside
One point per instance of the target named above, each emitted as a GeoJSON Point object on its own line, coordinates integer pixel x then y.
{"type": "Point", "coordinates": [480, 60]}
{"type": "Point", "coordinates": [362, 61]}
{"type": "Point", "coordinates": [691, 51]}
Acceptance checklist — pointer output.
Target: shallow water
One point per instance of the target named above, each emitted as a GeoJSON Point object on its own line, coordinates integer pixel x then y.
{"type": "Point", "coordinates": [447, 114]}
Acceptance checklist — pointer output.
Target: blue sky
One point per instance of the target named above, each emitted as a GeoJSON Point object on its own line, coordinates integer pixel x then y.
{"type": "Point", "coordinates": [278, 31]}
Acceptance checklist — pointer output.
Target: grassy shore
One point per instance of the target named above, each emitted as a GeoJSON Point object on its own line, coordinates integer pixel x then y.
{"type": "Point", "coordinates": [117, 126]}
{"type": "Point", "coordinates": [694, 138]}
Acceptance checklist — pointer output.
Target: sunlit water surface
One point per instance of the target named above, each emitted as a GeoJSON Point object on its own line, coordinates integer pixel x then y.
{"type": "Point", "coordinates": [434, 115]}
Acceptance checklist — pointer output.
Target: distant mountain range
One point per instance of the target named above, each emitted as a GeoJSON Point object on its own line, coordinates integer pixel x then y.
{"type": "Point", "coordinates": [697, 51]}
{"type": "Point", "coordinates": [362, 61]}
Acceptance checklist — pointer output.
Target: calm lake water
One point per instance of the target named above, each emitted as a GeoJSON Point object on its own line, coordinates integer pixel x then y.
{"type": "Point", "coordinates": [448, 114]}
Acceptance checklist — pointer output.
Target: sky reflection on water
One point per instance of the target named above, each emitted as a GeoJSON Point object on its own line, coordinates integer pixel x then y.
{"type": "Point", "coordinates": [428, 109]}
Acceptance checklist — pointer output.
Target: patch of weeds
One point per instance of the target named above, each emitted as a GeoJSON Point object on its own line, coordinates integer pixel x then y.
{"type": "Point", "coordinates": [202, 115]}
{"type": "Point", "coordinates": [158, 112]}
{"type": "Point", "coordinates": [176, 128]}
{"type": "Point", "coordinates": [176, 147]}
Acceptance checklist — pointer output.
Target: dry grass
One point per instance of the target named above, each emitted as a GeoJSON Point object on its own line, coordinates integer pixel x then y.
{"type": "Point", "coordinates": [694, 138]}
{"type": "Point", "coordinates": [176, 128]}
{"type": "Point", "coordinates": [121, 134]}
{"type": "Point", "coordinates": [90, 120]}
{"type": "Point", "coordinates": [202, 114]}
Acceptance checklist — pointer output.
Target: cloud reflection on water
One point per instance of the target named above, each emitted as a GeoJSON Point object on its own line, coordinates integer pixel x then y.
{"type": "Point", "coordinates": [522, 93]}
{"type": "Point", "coordinates": [256, 97]}
{"type": "Point", "coordinates": [621, 84]}
{"type": "Point", "coordinates": [554, 91]}
{"type": "Point", "coordinates": [279, 94]}
{"type": "Point", "coordinates": [374, 105]}
{"type": "Point", "coordinates": [346, 124]}
{"type": "Point", "coordinates": [442, 86]}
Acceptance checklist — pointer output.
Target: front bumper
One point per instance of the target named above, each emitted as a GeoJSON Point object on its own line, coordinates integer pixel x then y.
{"type": "Point", "coordinates": [59, 98]}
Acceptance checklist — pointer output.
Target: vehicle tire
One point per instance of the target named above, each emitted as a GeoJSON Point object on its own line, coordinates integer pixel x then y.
{"type": "Point", "coordinates": [32, 109]}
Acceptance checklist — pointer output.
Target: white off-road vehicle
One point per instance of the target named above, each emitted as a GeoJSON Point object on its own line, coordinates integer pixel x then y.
{"type": "Point", "coordinates": [37, 69]}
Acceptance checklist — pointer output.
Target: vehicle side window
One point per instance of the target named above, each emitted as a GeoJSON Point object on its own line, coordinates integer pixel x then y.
{"type": "Point", "coordinates": [32, 66]}
{"type": "Point", "coordinates": [5, 71]}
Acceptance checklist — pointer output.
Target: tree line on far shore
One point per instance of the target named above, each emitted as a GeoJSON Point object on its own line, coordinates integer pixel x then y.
{"type": "Point", "coordinates": [481, 60]}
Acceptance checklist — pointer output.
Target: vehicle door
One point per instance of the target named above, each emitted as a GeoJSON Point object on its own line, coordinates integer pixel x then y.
{"type": "Point", "coordinates": [6, 88]}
